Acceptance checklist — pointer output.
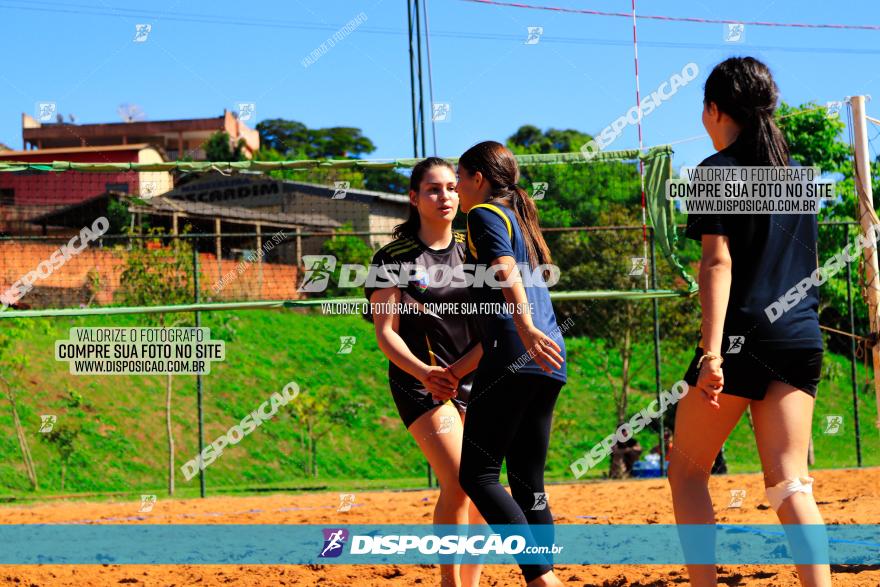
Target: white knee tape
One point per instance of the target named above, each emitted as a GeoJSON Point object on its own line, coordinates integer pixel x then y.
{"type": "Point", "coordinates": [785, 489]}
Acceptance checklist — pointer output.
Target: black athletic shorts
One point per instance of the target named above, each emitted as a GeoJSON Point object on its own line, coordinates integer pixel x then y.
{"type": "Point", "coordinates": [413, 403]}
{"type": "Point", "coordinates": [749, 374]}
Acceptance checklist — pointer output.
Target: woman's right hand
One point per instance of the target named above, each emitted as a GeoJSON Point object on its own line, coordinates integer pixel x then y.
{"type": "Point", "coordinates": [710, 381]}
{"type": "Point", "coordinates": [439, 382]}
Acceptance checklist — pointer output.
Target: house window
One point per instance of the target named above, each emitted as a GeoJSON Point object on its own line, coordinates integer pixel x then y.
{"type": "Point", "coordinates": [116, 187]}
{"type": "Point", "coordinates": [7, 197]}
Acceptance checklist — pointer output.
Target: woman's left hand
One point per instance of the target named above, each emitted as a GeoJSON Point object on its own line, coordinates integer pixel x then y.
{"type": "Point", "coordinates": [542, 348]}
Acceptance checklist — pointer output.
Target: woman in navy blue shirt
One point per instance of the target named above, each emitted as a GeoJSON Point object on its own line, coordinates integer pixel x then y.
{"type": "Point", "coordinates": [750, 357]}
{"type": "Point", "coordinates": [523, 365]}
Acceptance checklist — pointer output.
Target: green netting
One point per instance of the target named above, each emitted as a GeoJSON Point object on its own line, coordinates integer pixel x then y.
{"type": "Point", "coordinates": [275, 305]}
{"type": "Point", "coordinates": [658, 168]}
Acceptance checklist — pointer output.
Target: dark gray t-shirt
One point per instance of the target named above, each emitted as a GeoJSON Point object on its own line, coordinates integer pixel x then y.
{"type": "Point", "coordinates": [439, 339]}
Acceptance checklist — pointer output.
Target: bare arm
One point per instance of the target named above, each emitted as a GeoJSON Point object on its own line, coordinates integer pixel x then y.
{"type": "Point", "coordinates": [395, 348]}
{"type": "Point", "coordinates": [468, 362]}
{"type": "Point", "coordinates": [715, 279]}
{"type": "Point", "coordinates": [543, 348]}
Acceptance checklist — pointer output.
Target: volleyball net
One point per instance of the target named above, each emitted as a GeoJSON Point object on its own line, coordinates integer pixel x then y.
{"type": "Point", "coordinates": [83, 236]}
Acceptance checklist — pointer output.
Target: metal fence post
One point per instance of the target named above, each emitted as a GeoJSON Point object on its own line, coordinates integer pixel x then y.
{"type": "Point", "coordinates": [657, 373]}
{"type": "Point", "coordinates": [852, 354]}
{"type": "Point", "coordinates": [198, 315]}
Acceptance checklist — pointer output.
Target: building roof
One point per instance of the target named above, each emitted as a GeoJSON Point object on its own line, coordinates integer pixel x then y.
{"type": "Point", "coordinates": [84, 212]}
{"type": "Point", "coordinates": [317, 189]}
{"type": "Point", "coordinates": [168, 206]}
{"type": "Point", "coordinates": [62, 150]}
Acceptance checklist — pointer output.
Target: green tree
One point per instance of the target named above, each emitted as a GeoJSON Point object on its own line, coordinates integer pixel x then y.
{"type": "Point", "coordinates": [346, 249]}
{"type": "Point", "coordinates": [290, 137]}
{"type": "Point", "coordinates": [62, 438]}
{"type": "Point", "coordinates": [13, 362]}
{"type": "Point", "coordinates": [575, 193]}
{"type": "Point", "coordinates": [318, 412]}
{"type": "Point", "coordinates": [218, 147]}
{"type": "Point", "coordinates": [154, 275]}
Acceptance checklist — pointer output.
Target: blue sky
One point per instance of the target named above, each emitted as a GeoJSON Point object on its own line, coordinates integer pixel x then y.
{"type": "Point", "coordinates": [202, 57]}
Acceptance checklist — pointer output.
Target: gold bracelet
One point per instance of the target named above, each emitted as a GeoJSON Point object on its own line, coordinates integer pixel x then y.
{"type": "Point", "coordinates": [709, 356]}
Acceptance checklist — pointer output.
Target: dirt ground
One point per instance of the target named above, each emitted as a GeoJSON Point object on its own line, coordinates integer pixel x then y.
{"type": "Point", "coordinates": [845, 497]}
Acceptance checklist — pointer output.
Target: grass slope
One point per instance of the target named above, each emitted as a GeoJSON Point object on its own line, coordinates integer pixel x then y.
{"type": "Point", "coordinates": [123, 444]}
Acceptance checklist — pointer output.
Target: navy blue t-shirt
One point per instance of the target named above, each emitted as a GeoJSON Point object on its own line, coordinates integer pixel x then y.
{"type": "Point", "coordinates": [489, 237]}
{"type": "Point", "coordinates": [771, 253]}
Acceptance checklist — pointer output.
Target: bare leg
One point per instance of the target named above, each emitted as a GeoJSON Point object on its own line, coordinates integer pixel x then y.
{"type": "Point", "coordinates": [470, 574]}
{"type": "Point", "coordinates": [443, 451]}
{"type": "Point", "coordinates": [783, 421]}
{"type": "Point", "coordinates": [700, 431]}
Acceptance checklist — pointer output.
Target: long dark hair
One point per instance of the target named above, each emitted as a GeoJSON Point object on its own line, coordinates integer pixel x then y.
{"type": "Point", "coordinates": [410, 226]}
{"type": "Point", "coordinates": [498, 165]}
{"type": "Point", "coordinates": [743, 88]}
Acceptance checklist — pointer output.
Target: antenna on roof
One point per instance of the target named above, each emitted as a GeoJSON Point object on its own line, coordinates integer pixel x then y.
{"type": "Point", "coordinates": [130, 112]}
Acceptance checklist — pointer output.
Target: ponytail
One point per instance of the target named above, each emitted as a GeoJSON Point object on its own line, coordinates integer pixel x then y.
{"type": "Point", "coordinates": [527, 216]}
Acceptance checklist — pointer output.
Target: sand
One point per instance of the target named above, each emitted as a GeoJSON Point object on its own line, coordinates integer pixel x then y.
{"type": "Point", "coordinates": [844, 496]}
